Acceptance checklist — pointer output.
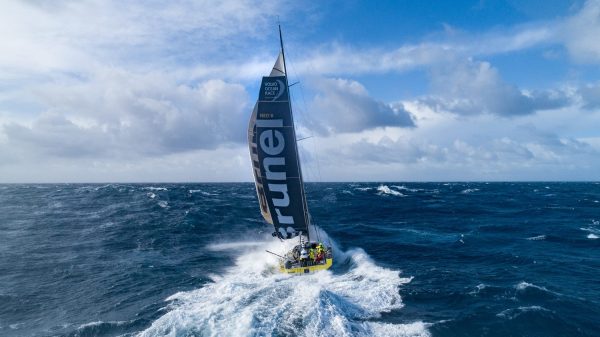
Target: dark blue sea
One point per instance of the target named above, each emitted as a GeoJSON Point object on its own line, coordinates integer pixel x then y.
{"type": "Point", "coordinates": [411, 259]}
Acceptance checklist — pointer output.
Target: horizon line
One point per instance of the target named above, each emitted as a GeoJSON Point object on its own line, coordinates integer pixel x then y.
{"type": "Point", "coordinates": [309, 182]}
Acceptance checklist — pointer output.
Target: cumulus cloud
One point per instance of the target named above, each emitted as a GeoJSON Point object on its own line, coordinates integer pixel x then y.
{"type": "Point", "coordinates": [342, 105]}
{"type": "Point", "coordinates": [227, 164]}
{"type": "Point", "coordinates": [474, 87]}
{"type": "Point", "coordinates": [481, 149]}
{"type": "Point", "coordinates": [580, 32]}
{"type": "Point", "coordinates": [119, 113]}
{"type": "Point", "coordinates": [74, 35]}
{"type": "Point", "coordinates": [126, 79]}
{"type": "Point", "coordinates": [387, 151]}
{"type": "Point", "coordinates": [590, 95]}
{"type": "Point", "coordinates": [56, 135]}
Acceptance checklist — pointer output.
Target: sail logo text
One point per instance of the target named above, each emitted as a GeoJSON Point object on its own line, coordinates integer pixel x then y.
{"type": "Point", "coordinates": [273, 90]}
{"type": "Point", "coordinates": [272, 143]}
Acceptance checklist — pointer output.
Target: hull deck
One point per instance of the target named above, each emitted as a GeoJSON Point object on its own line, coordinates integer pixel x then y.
{"type": "Point", "coordinates": [306, 269]}
{"type": "Point", "coordinates": [292, 264]}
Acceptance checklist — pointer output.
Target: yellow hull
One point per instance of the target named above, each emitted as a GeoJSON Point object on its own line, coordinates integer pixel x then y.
{"type": "Point", "coordinates": [307, 269]}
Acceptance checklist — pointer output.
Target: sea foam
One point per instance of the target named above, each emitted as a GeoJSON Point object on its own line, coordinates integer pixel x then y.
{"type": "Point", "coordinates": [252, 298]}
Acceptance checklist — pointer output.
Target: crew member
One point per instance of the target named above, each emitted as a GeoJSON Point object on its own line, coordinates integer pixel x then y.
{"type": "Point", "coordinates": [303, 256]}
{"type": "Point", "coordinates": [320, 253]}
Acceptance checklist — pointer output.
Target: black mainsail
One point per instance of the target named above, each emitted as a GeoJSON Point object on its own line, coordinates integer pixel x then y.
{"type": "Point", "coordinates": [274, 154]}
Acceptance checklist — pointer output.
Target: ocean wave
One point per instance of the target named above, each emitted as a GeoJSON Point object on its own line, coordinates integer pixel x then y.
{"type": "Point", "coordinates": [55, 204]}
{"type": "Point", "coordinates": [201, 192]}
{"type": "Point", "coordinates": [385, 190]}
{"type": "Point", "coordinates": [152, 188]}
{"type": "Point", "coordinates": [526, 289]}
{"type": "Point", "coordinates": [251, 299]}
{"type": "Point", "coordinates": [101, 328]}
{"type": "Point", "coordinates": [592, 230]}
{"type": "Point", "coordinates": [404, 188]}
{"type": "Point", "coordinates": [537, 238]}
{"type": "Point", "coordinates": [151, 195]}
{"type": "Point", "coordinates": [98, 323]}
{"type": "Point", "coordinates": [478, 289]}
{"type": "Point", "coordinates": [515, 312]}
{"type": "Point", "coordinates": [163, 204]}
{"type": "Point", "coordinates": [364, 188]}
{"type": "Point", "coordinates": [330, 198]}
{"type": "Point", "coordinates": [469, 190]}
{"type": "Point", "coordinates": [524, 285]}
{"type": "Point", "coordinates": [560, 207]}
{"type": "Point", "coordinates": [103, 187]}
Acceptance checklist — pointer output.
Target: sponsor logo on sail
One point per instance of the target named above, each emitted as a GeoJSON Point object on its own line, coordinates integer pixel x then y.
{"type": "Point", "coordinates": [273, 89]}
{"type": "Point", "coordinates": [272, 143]}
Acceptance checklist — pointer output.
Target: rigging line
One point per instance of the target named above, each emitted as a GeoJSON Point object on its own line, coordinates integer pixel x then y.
{"type": "Point", "coordinates": [309, 171]}
{"type": "Point", "coordinates": [303, 113]}
{"type": "Point", "coordinates": [302, 192]}
{"type": "Point", "coordinates": [320, 178]}
{"type": "Point", "coordinates": [318, 175]}
{"type": "Point", "coordinates": [317, 232]}
{"type": "Point", "coordinates": [312, 134]}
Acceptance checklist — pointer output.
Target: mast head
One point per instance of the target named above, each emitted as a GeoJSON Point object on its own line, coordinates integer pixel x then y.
{"type": "Point", "coordinates": [278, 67]}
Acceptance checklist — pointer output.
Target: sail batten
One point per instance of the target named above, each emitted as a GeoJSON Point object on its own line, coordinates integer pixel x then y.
{"type": "Point", "coordinates": [274, 154]}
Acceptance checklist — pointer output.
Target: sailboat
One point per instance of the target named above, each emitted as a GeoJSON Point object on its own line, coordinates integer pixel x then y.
{"type": "Point", "coordinates": [278, 175]}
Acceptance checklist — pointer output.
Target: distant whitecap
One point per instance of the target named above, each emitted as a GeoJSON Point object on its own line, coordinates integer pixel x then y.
{"type": "Point", "coordinates": [151, 188]}
{"type": "Point", "coordinates": [385, 190]}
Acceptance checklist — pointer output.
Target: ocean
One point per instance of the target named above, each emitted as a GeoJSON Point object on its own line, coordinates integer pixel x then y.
{"type": "Point", "coordinates": [411, 259]}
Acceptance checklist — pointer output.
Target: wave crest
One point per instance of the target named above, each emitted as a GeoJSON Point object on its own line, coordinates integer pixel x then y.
{"type": "Point", "coordinates": [385, 190]}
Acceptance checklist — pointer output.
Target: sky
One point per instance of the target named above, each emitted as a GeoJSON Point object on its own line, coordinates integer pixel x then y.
{"type": "Point", "coordinates": [153, 91]}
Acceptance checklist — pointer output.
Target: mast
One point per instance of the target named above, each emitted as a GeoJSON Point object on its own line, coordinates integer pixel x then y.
{"type": "Point", "coordinates": [283, 54]}
{"type": "Point", "coordinates": [304, 204]}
